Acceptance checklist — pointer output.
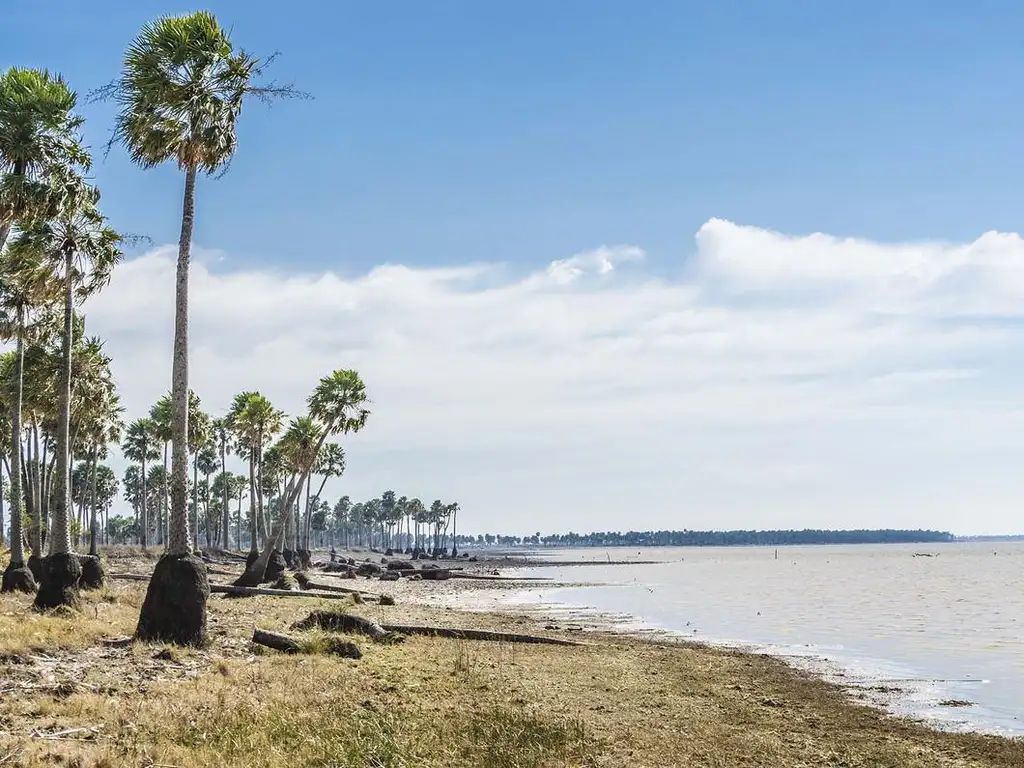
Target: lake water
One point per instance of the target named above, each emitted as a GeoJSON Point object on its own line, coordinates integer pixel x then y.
{"type": "Point", "coordinates": [939, 628]}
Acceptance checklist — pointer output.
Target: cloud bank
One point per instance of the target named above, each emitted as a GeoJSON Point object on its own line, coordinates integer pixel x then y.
{"type": "Point", "coordinates": [775, 381]}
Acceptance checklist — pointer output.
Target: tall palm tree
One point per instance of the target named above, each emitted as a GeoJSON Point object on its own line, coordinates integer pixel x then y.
{"type": "Point", "coordinates": [339, 405]}
{"type": "Point", "coordinates": [180, 94]}
{"type": "Point", "coordinates": [389, 506]}
{"type": "Point", "coordinates": [453, 510]}
{"type": "Point", "coordinates": [341, 517]}
{"type": "Point", "coordinates": [24, 284]}
{"type": "Point", "coordinates": [205, 463]}
{"type": "Point", "coordinates": [38, 132]}
{"type": "Point", "coordinates": [82, 249]}
{"type": "Point", "coordinates": [140, 444]}
{"type": "Point", "coordinates": [416, 512]}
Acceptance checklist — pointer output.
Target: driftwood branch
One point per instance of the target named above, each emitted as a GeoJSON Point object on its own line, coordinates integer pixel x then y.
{"type": "Point", "coordinates": [477, 634]}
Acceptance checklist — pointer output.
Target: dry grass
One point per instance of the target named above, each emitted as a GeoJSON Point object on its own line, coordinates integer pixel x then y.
{"type": "Point", "coordinates": [429, 702]}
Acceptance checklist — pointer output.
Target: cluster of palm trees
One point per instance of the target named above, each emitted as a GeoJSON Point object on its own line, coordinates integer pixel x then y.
{"type": "Point", "coordinates": [391, 522]}
{"type": "Point", "coordinates": [179, 96]}
{"type": "Point", "coordinates": [277, 453]}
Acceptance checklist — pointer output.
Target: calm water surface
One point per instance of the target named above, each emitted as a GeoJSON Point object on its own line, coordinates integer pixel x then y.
{"type": "Point", "coordinates": [937, 628]}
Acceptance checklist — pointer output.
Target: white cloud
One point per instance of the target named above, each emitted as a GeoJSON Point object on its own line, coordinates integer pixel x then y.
{"type": "Point", "coordinates": [783, 381]}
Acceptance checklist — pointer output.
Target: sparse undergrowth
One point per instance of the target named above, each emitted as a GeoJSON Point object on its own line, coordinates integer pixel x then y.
{"type": "Point", "coordinates": [429, 702]}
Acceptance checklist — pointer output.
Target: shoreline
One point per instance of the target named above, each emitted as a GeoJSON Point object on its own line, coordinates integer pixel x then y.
{"type": "Point", "coordinates": [620, 699]}
{"type": "Point", "coordinates": [885, 685]}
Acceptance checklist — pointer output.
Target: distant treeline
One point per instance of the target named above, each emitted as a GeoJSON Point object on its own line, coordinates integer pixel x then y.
{"type": "Point", "coordinates": [709, 538]}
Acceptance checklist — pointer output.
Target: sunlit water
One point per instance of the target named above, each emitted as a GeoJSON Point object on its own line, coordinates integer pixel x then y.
{"type": "Point", "coordinates": [939, 628]}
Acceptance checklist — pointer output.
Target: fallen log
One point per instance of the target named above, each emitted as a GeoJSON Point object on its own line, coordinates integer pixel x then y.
{"type": "Point", "coordinates": [332, 645]}
{"type": "Point", "coordinates": [346, 622]}
{"type": "Point", "coordinates": [275, 641]}
{"type": "Point", "coordinates": [481, 577]}
{"type": "Point", "coordinates": [231, 589]}
{"type": "Point", "coordinates": [220, 571]}
{"type": "Point", "coordinates": [476, 634]}
{"type": "Point", "coordinates": [129, 576]}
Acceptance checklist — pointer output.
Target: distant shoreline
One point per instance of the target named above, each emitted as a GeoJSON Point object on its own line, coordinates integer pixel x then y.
{"type": "Point", "coordinates": [688, 538]}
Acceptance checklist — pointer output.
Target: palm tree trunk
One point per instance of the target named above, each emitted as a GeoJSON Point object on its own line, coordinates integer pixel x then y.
{"type": "Point", "coordinates": [179, 536]}
{"type": "Point", "coordinates": [144, 516]}
{"type": "Point", "coordinates": [39, 509]}
{"type": "Point", "coordinates": [253, 547]}
{"type": "Point", "coordinates": [92, 514]}
{"type": "Point", "coordinates": [59, 539]}
{"type": "Point", "coordinates": [226, 522]}
{"type": "Point", "coordinates": [305, 522]}
{"type": "Point", "coordinates": [17, 540]}
{"type": "Point", "coordinates": [62, 570]}
{"type": "Point", "coordinates": [175, 604]}
{"type": "Point", "coordinates": [162, 523]}
{"type": "Point", "coordinates": [195, 494]}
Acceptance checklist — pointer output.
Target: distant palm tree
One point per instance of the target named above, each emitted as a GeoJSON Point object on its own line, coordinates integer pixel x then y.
{"type": "Point", "coordinates": [206, 463]}
{"type": "Point", "coordinates": [160, 416]}
{"type": "Point", "coordinates": [140, 445]}
{"type": "Point", "coordinates": [199, 436]}
{"type": "Point", "coordinates": [453, 509]}
{"type": "Point", "coordinates": [222, 439]}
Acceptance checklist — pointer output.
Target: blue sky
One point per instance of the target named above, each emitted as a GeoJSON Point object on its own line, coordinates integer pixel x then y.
{"type": "Point", "coordinates": [448, 131]}
{"type": "Point", "coordinates": [606, 292]}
